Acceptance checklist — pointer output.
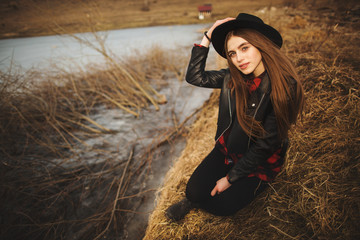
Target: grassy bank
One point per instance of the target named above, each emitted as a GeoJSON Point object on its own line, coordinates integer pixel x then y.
{"type": "Point", "coordinates": [317, 194]}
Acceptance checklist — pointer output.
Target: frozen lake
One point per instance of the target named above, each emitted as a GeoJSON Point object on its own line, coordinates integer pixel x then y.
{"type": "Point", "coordinates": [41, 52]}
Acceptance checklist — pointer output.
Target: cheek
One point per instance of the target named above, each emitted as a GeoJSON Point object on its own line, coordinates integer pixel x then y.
{"type": "Point", "coordinates": [233, 61]}
{"type": "Point", "coordinates": [257, 55]}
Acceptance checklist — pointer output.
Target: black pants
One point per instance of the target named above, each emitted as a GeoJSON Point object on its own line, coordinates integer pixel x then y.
{"type": "Point", "coordinates": [204, 178]}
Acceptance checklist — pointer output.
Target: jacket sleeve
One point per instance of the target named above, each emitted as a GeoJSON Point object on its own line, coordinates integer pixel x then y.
{"type": "Point", "coordinates": [196, 74]}
{"type": "Point", "coordinates": [259, 151]}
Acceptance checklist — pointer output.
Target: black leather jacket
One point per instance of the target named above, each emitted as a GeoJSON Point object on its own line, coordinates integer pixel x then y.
{"type": "Point", "coordinates": [256, 151]}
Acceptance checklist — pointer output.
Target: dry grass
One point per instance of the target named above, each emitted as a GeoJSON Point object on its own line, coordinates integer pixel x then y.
{"type": "Point", "coordinates": [34, 105]}
{"type": "Point", "coordinates": [317, 194]}
{"type": "Point", "coordinates": [48, 190]}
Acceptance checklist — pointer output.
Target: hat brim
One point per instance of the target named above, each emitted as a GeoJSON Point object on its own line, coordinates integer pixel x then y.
{"type": "Point", "coordinates": [219, 34]}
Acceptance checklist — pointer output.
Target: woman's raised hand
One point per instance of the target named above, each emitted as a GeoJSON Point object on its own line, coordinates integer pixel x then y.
{"type": "Point", "coordinates": [217, 23]}
{"type": "Point", "coordinates": [205, 42]}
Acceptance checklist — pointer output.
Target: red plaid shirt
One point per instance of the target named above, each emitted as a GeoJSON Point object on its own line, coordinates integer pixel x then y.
{"type": "Point", "coordinates": [273, 164]}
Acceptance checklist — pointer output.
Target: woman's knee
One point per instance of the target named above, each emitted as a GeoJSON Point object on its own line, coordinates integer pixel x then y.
{"type": "Point", "coordinates": [223, 207]}
{"type": "Point", "coordinates": [196, 193]}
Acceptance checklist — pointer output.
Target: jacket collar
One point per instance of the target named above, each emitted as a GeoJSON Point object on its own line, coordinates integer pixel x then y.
{"type": "Point", "coordinates": [265, 84]}
{"type": "Point", "coordinates": [264, 87]}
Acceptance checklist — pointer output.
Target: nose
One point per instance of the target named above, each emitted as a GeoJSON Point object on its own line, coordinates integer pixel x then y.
{"type": "Point", "coordinates": [239, 57]}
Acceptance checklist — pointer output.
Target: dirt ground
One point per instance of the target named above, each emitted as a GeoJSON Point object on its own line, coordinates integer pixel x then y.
{"type": "Point", "coordinates": [23, 18]}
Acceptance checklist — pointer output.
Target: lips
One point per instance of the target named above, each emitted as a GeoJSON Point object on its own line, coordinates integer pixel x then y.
{"type": "Point", "coordinates": [244, 66]}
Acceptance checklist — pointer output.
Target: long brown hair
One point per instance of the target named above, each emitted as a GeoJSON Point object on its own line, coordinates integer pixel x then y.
{"type": "Point", "coordinates": [287, 102]}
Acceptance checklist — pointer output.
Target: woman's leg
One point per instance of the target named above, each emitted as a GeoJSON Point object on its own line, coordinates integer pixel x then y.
{"type": "Point", "coordinates": [205, 176]}
{"type": "Point", "coordinates": [204, 179]}
{"type": "Point", "coordinates": [200, 184]}
{"type": "Point", "coordinates": [236, 197]}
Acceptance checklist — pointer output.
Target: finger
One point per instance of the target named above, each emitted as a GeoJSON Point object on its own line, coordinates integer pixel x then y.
{"type": "Point", "coordinates": [217, 23]}
{"type": "Point", "coordinates": [214, 191]}
{"type": "Point", "coordinates": [227, 19]}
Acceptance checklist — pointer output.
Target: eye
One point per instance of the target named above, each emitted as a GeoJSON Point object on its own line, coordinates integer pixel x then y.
{"type": "Point", "coordinates": [244, 48]}
{"type": "Point", "coordinates": [231, 54]}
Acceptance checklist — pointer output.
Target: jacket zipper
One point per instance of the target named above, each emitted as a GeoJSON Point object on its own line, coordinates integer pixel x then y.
{"type": "Point", "coordinates": [230, 117]}
{"type": "Point", "coordinates": [256, 110]}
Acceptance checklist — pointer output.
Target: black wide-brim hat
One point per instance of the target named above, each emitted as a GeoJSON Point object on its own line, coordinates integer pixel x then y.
{"type": "Point", "coordinates": [243, 20]}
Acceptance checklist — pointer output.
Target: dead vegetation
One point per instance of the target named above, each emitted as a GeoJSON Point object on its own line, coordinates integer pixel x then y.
{"type": "Point", "coordinates": [48, 190]}
{"type": "Point", "coordinates": [36, 104]}
{"type": "Point", "coordinates": [317, 194]}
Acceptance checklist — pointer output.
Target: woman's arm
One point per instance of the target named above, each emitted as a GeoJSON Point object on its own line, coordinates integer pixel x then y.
{"type": "Point", "coordinates": [196, 73]}
{"type": "Point", "coordinates": [259, 151]}
{"type": "Point", "coordinates": [262, 148]}
{"type": "Point", "coordinates": [257, 154]}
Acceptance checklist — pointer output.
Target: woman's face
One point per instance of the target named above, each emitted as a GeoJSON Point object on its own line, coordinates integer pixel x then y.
{"type": "Point", "coordinates": [245, 56]}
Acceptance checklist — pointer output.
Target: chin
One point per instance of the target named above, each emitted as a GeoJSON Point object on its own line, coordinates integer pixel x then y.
{"type": "Point", "coordinates": [247, 73]}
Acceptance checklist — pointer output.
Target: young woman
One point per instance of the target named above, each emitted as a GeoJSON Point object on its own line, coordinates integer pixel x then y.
{"type": "Point", "coordinates": [260, 98]}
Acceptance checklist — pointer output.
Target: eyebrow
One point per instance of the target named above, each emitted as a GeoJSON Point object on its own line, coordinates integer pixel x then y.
{"type": "Point", "coordinates": [244, 43]}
